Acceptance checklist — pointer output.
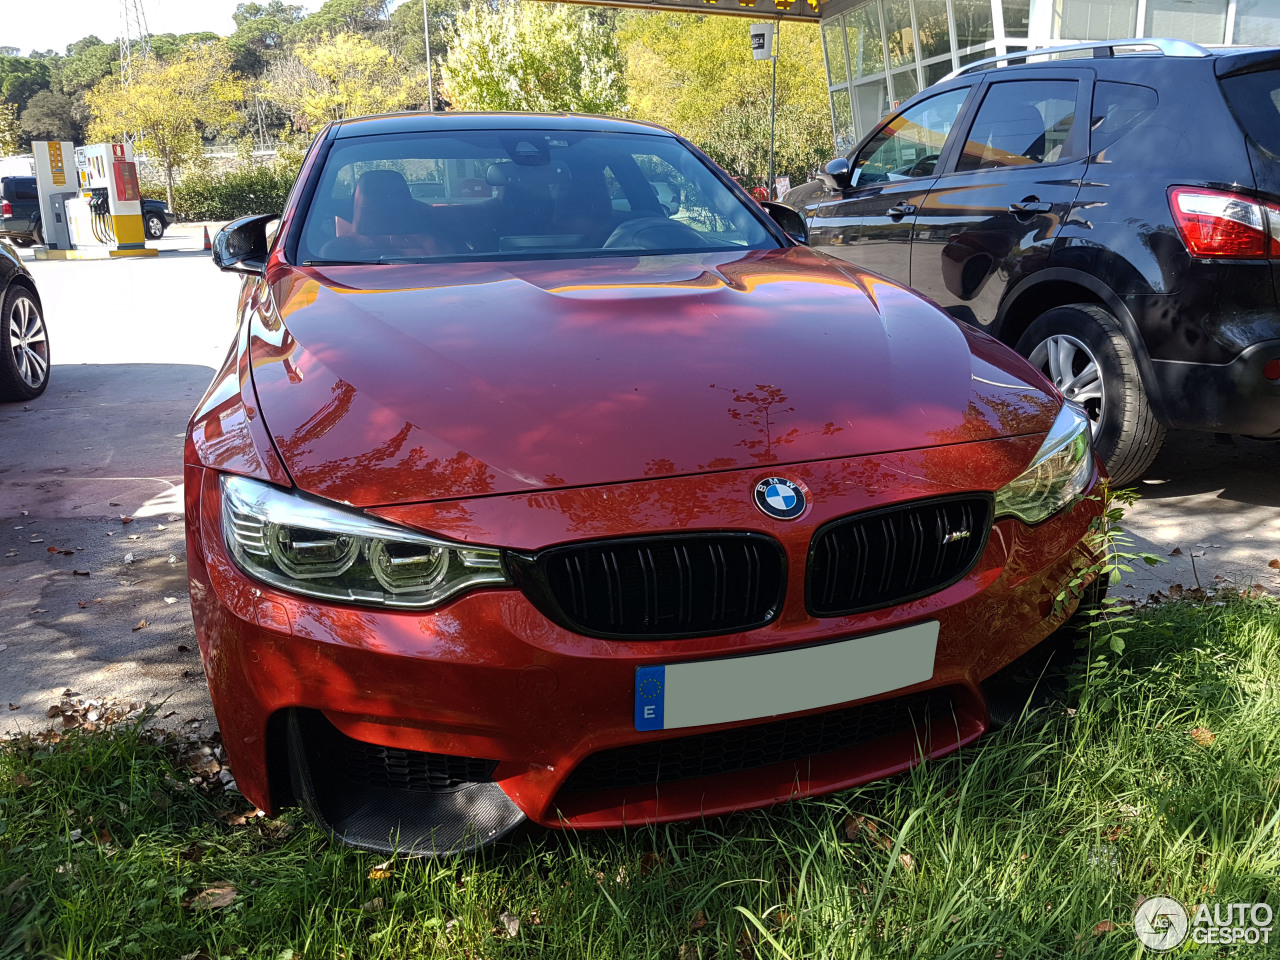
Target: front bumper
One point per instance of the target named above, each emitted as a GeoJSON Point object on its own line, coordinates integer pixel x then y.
{"type": "Point", "coordinates": [489, 677]}
{"type": "Point", "coordinates": [1233, 397]}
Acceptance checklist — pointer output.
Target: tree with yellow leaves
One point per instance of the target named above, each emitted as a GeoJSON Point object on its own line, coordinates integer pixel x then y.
{"type": "Point", "coordinates": [696, 75]}
{"type": "Point", "coordinates": [169, 105]}
{"type": "Point", "coordinates": [344, 76]}
{"type": "Point", "coordinates": [8, 128]}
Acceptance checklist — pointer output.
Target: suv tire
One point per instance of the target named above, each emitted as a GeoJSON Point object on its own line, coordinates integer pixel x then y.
{"type": "Point", "coordinates": [1083, 351]}
{"type": "Point", "coordinates": [154, 225]}
{"type": "Point", "coordinates": [24, 367]}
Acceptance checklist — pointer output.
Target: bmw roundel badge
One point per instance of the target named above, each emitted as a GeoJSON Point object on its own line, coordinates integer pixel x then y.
{"type": "Point", "coordinates": [780, 498]}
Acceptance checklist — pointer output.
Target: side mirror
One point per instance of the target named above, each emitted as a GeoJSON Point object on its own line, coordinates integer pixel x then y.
{"type": "Point", "coordinates": [789, 219]}
{"type": "Point", "coordinates": [838, 175]}
{"type": "Point", "coordinates": [242, 245]}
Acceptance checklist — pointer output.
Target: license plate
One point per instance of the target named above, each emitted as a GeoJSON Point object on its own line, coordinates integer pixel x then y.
{"type": "Point", "coordinates": [770, 684]}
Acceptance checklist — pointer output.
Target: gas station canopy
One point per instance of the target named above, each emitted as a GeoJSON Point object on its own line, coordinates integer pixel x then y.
{"type": "Point", "coordinates": [804, 11]}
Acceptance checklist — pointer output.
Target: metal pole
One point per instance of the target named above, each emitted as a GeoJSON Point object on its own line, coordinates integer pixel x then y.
{"type": "Point", "coordinates": [426, 38]}
{"type": "Point", "coordinates": [773, 102]}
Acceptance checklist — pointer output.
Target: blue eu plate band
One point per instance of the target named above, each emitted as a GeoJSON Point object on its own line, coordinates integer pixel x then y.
{"type": "Point", "coordinates": [650, 682]}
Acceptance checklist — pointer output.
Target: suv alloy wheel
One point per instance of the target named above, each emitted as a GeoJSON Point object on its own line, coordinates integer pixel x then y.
{"type": "Point", "coordinates": [1085, 354]}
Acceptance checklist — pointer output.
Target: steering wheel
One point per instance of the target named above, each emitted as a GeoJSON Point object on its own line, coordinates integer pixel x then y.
{"type": "Point", "coordinates": [925, 165]}
{"type": "Point", "coordinates": [654, 233]}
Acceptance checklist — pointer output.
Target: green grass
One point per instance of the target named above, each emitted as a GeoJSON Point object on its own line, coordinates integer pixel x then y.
{"type": "Point", "coordinates": [1018, 847]}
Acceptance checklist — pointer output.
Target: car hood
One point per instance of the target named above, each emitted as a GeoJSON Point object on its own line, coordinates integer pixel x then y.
{"type": "Point", "coordinates": [405, 383]}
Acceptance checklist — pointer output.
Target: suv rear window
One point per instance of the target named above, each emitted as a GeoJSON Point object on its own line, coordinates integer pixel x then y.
{"type": "Point", "coordinates": [1117, 109]}
{"type": "Point", "coordinates": [1255, 98]}
{"type": "Point", "coordinates": [20, 188]}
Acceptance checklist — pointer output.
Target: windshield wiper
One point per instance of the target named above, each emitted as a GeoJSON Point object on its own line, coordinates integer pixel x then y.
{"type": "Point", "coordinates": [360, 263]}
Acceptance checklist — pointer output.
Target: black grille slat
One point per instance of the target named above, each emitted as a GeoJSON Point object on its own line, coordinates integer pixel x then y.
{"type": "Point", "coordinates": [761, 745]}
{"type": "Point", "coordinates": [369, 764]}
{"type": "Point", "coordinates": [677, 585]}
{"type": "Point", "coordinates": [888, 556]}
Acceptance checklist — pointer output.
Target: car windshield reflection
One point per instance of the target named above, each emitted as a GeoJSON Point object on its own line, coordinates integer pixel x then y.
{"type": "Point", "coordinates": [504, 195]}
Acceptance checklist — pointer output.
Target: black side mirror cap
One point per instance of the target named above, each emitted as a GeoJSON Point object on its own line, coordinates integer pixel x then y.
{"type": "Point", "coordinates": [789, 219]}
{"type": "Point", "coordinates": [242, 245]}
{"type": "Point", "coordinates": [837, 175]}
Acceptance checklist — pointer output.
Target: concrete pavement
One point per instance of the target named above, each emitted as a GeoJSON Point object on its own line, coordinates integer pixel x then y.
{"type": "Point", "coordinates": [135, 343]}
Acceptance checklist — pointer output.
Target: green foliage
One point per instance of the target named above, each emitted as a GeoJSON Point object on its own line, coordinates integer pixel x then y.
{"type": "Point", "coordinates": [1113, 546]}
{"type": "Point", "coordinates": [167, 46]}
{"type": "Point", "coordinates": [202, 195]}
{"type": "Point", "coordinates": [696, 75]}
{"type": "Point", "coordinates": [335, 17]}
{"type": "Point", "coordinates": [52, 116]}
{"type": "Point", "coordinates": [87, 62]}
{"type": "Point", "coordinates": [259, 34]}
{"type": "Point", "coordinates": [21, 78]}
{"type": "Point", "coordinates": [406, 29]}
{"type": "Point", "coordinates": [534, 56]}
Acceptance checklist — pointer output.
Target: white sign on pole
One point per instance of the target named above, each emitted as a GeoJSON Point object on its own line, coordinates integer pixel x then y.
{"type": "Point", "coordinates": [762, 41]}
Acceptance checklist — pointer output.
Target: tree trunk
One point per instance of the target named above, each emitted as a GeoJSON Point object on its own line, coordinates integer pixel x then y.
{"type": "Point", "coordinates": [168, 175]}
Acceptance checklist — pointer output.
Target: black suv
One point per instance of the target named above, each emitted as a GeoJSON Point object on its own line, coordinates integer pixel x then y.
{"type": "Point", "coordinates": [1112, 211]}
{"type": "Point", "coordinates": [20, 213]}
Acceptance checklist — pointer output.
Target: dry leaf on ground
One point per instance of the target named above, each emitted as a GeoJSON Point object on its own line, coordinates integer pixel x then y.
{"type": "Point", "coordinates": [510, 922]}
{"type": "Point", "coordinates": [215, 897]}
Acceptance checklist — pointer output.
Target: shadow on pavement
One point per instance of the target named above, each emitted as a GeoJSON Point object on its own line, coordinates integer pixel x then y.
{"type": "Point", "coordinates": [88, 599]}
{"type": "Point", "coordinates": [1236, 470]}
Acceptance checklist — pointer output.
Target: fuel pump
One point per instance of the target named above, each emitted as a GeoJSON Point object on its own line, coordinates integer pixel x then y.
{"type": "Point", "coordinates": [105, 218]}
{"type": "Point", "coordinates": [56, 183]}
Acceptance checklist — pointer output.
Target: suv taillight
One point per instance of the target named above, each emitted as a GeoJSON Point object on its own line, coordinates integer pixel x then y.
{"type": "Point", "coordinates": [6, 208]}
{"type": "Point", "coordinates": [1214, 223]}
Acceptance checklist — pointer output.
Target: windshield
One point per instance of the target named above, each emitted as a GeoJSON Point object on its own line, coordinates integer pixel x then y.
{"type": "Point", "coordinates": [519, 195]}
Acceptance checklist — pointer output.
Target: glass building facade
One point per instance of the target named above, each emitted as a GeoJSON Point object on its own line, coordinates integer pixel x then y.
{"type": "Point", "coordinates": [882, 52]}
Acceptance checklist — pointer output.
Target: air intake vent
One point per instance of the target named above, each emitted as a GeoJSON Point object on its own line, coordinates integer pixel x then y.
{"type": "Point", "coordinates": [663, 587]}
{"type": "Point", "coordinates": [888, 556]}
{"type": "Point", "coordinates": [761, 745]}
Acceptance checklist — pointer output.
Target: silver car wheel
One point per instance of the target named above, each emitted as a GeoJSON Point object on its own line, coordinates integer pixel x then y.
{"type": "Point", "coordinates": [28, 342]}
{"type": "Point", "coordinates": [1074, 370]}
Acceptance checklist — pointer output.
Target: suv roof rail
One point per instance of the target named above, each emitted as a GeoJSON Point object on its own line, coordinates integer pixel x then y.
{"type": "Point", "coordinates": [1102, 49]}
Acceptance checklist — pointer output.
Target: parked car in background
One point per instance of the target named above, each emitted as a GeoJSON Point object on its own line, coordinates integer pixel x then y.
{"type": "Point", "coordinates": [20, 213]}
{"type": "Point", "coordinates": [1111, 210]}
{"type": "Point", "coordinates": [585, 492]}
{"type": "Point", "coordinates": [24, 339]}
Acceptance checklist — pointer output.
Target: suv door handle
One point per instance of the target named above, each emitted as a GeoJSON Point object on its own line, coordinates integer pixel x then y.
{"type": "Point", "coordinates": [1029, 206]}
{"type": "Point", "coordinates": [901, 210]}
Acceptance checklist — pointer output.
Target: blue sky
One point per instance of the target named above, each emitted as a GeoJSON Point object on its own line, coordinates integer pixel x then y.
{"type": "Point", "coordinates": [52, 24]}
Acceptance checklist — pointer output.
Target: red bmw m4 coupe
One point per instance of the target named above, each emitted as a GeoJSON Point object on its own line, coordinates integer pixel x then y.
{"type": "Point", "coordinates": [552, 477]}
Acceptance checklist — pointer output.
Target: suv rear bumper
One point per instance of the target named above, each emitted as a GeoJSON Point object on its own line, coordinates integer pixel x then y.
{"type": "Point", "coordinates": [1230, 397]}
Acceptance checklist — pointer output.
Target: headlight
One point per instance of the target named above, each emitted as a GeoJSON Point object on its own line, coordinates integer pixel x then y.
{"type": "Point", "coordinates": [307, 547]}
{"type": "Point", "coordinates": [1059, 472]}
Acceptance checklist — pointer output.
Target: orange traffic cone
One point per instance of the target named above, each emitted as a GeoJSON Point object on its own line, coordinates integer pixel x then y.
{"type": "Point", "coordinates": [207, 244]}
